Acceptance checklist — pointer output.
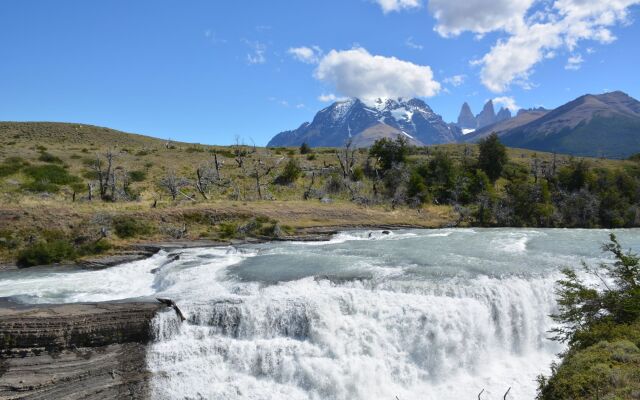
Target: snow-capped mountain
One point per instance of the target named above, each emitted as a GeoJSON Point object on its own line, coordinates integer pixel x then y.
{"type": "Point", "coordinates": [364, 123]}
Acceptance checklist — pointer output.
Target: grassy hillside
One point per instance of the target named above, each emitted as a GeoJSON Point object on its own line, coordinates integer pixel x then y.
{"type": "Point", "coordinates": [46, 169]}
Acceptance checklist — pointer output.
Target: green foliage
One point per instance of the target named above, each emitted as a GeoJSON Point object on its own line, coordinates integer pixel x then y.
{"type": "Point", "coordinates": [129, 227]}
{"type": "Point", "coordinates": [357, 174]}
{"type": "Point", "coordinates": [228, 230]}
{"type": "Point", "coordinates": [48, 178]}
{"type": "Point", "coordinates": [311, 157]}
{"type": "Point", "coordinates": [44, 253]}
{"type": "Point", "coordinates": [92, 248]}
{"type": "Point", "coordinates": [290, 173]}
{"type": "Point", "coordinates": [49, 158]}
{"type": "Point", "coordinates": [606, 370]}
{"type": "Point", "coordinates": [8, 240]}
{"type": "Point", "coordinates": [601, 323]}
{"type": "Point", "coordinates": [581, 305]}
{"type": "Point", "coordinates": [51, 173]}
{"type": "Point", "coordinates": [390, 152]}
{"type": "Point", "coordinates": [11, 165]}
{"type": "Point", "coordinates": [493, 156]}
{"type": "Point", "coordinates": [575, 176]}
{"type": "Point", "coordinates": [305, 148]}
{"type": "Point", "coordinates": [137, 176]}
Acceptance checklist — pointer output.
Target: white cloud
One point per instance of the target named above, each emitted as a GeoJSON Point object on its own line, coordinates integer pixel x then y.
{"type": "Point", "coordinates": [357, 73]}
{"type": "Point", "coordinates": [330, 98]}
{"type": "Point", "coordinates": [397, 5]}
{"type": "Point", "coordinates": [535, 30]}
{"type": "Point", "coordinates": [412, 44]}
{"type": "Point", "coordinates": [308, 55]}
{"type": "Point", "coordinates": [455, 80]}
{"type": "Point", "coordinates": [478, 16]}
{"type": "Point", "coordinates": [574, 62]}
{"type": "Point", "coordinates": [258, 54]}
{"type": "Point", "coordinates": [507, 102]}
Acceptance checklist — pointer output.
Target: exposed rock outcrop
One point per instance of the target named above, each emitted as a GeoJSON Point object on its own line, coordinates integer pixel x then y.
{"type": "Point", "coordinates": [466, 119]}
{"type": "Point", "coordinates": [75, 351]}
{"type": "Point", "coordinates": [487, 116]}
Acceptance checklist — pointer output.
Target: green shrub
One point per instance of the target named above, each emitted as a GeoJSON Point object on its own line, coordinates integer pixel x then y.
{"type": "Point", "coordinates": [48, 178]}
{"type": "Point", "coordinates": [8, 240]}
{"type": "Point", "coordinates": [357, 174]}
{"type": "Point", "coordinates": [44, 253]}
{"type": "Point", "coordinates": [49, 158]}
{"type": "Point", "coordinates": [128, 227]}
{"type": "Point", "coordinates": [290, 173]}
{"type": "Point", "coordinates": [51, 173]}
{"type": "Point", "coordinates": [228, 230]}
{"type": "Point", "coordinates": [137, 176]}
{"type": "Point", "coordinates": [311, 157]}
{"type": "Point", "coordinates": [305, 149]}
{"type": "Point", "coordinates": [92, 248]}
{"type": "Point", "coordinates": [11, 166]}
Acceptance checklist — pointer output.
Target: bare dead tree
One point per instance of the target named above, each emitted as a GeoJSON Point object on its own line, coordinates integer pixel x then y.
{"type": "Point", "coordinates": [208, 176]}
{"type": "Point", "coordinates": [241, 152]}
{"type": "Point", "coordinates": [347, 159]}
{"type": "Point", "coordinates": [480, 394]}
{"type": "Point", "coordinates": [307, 192]}
{"type": "Point", "coordinates": [262, 169]}
{"type": "Point", "coordinates": [174, 184]}
{"type": "Point", "coordinates": [535, 168]}
{"type": "Point", "coordinates": [105, 174]}
{"type": "Point", "coordinates": [505, 395]}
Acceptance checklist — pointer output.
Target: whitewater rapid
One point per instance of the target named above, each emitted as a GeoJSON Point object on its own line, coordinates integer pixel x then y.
{"type": "Point", "coordinates": [415, 314]}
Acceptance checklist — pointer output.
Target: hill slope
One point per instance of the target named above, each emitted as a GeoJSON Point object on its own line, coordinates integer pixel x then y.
{"type": "Point", "coordinates": [524, 117]}
{"type": "Point", "coordinates": [592, 125]}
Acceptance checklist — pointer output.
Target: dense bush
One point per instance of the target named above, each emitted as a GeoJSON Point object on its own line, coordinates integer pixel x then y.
{"type": "Point", "coordinates": [137, 176]}
{"type": "Point", "coordinates": [290, 173]}
{"type": "Point", "coordinates": [305, 149]}
{"type": "Point", "coordinates": [493, 156]}
{"type": "Point", "coordinates": [49, 158]}
{"type": "Point", "coordinates": [129, 227]}
{"type": "Point", "coordinates": [390, 152]}
{"type": "Point", "coordinates": [12, 165]}
{"type": "Point", "coordinates": [51, 173]}
{"type": "Point", "coordinates": [44, 253]}
{"type": "Point", "coordinates": [601, 323]}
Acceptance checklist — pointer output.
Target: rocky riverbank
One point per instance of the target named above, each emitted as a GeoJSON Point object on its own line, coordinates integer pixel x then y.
{"type": "Point", "coordinates": [75, 351]}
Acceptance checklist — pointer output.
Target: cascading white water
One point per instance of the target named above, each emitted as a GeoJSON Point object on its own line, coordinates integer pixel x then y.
{"type": "Point", "coordinates": [415, 314]}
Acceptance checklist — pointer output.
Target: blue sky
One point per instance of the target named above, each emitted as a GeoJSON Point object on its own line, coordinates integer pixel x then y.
{"type": "Point", "coordinates": [206, 71]}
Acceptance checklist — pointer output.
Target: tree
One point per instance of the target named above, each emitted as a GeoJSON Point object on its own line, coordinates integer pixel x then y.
{"type": "Point", "coordinates": [615, 299]}
{"type": "Point", "coordinates": [305, 149]}
{"type": "Point", "coordinates": [390, 152]}
{"type": "Point", "coordinates": [174, 184]}
{"type": "Point", "coordinates": [290, 173]}
{"type": "Point", "coordinates": [347, 159]}
{"type": "Point", "coordinates": [493, 156]}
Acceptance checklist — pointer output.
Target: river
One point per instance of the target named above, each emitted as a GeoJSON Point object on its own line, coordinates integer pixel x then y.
{"type": "Point", "coordinates": [417, 314]}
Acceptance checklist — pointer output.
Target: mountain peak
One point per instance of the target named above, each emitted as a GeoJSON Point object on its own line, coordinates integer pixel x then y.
{"type": "Point", "coordinates": [346, 119]}
{"type": "Point", "coordinates": [487, 116]}
{"type": "Point", "coordinates": [466, 119]}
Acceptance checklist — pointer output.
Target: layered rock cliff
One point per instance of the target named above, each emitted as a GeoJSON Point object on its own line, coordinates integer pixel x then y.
{"type": "Point", "coordinates": [75, 351]}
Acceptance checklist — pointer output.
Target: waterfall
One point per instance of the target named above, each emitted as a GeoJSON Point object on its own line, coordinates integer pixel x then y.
{"type": "Point", "coordinates": [315, 339]}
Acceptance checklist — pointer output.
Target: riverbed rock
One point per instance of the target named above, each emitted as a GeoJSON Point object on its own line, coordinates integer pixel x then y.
{"type": "Point", "coordinates": [75, 351]}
